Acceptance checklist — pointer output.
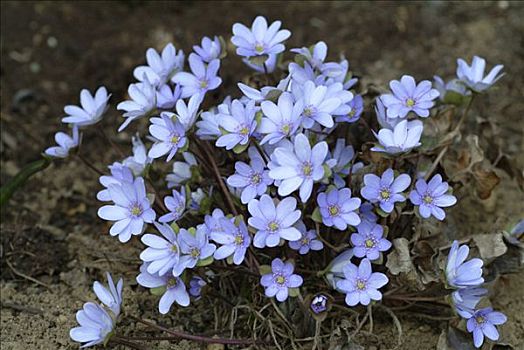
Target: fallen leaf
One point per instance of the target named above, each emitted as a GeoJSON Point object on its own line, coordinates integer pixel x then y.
{"type": "Point", "coordinates": [490, 245]}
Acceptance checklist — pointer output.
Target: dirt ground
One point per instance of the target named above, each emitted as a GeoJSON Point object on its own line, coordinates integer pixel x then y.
{"type": "Point", "coordinates": [49, 51]}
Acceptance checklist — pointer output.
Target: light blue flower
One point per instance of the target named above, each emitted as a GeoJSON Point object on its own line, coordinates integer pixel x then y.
{"type": "Point", "coordinates": [318, 104]}
{"type": "Point", "coordinates": [368, 241]}
{"type": "Point", "coordinates": [209, 49]}
{"type": "Point", "coordinates": [253, 179]}
{"type": "Point", "coordinates": [482, 323]}
{"type": "Point", "coordinates": [431, 197]}
{"type": "Point", "coordinates": [176, 204]}
{"type": "Point", "coordinates": [408, 96]}
{"type": "Point", "coordinates": [92, 110]}
{"type": "Point", "coordinates": [473, 76]}
{"type": "Point", "coordinates": [169, 136]}
{"type": "Point", "coordinates": [385, 190]}
{"type": "Point", "coordinates": [65, 144]}
{"type": "Point", "coordinates": [382, 118]}
{"type": "Point", "coordinates": [273, 222]}
{"type": "Point", "coordinates": [131, 209]}
{"type": "Point", "coordinates": [119, 174]}
{"type": "Point", "coordinates": [299, 167]}
{"type": "Point", "coordinates": [111, 296]}
{"type": "Point", "coordinates": [465, 300]}
{"type": "Point", "coordinates": [193, 248]}
{"type": "Point", "coordinates": [175, 289]}
{"type": "Point", "coordinates": [337, 208]}
{"type": "Point", "coordinates": [163, 252]}
{"type": "Point", "coordinates": [143, 102]}
{"type": "Point", "coordinates": [166, 97]}
{"type": "Point", "coordinates": [239, 125]}
{"type": "Point", "coordinates": [282, 120]}
{"type": "Point", "coordinates": [361, 284]}
{"type": "Point", "coordinates": [403, 138]}
{"type": "Point", "coordinates": [139, 160]}
{"type": "Point", "coordinates": [453, 85]}
{"type": "Point", "coordinates": [96, 325]}
{"type": "Point", "coordinates": [208, 127]}
{"type": "Point", "coordinates": [352, 110]}
{"type": "Point", "coordinates": [461, 273]}
{"type": "Point", "coordinates": [160, 68]}
{"type": "Point", "coordinates": [308, 241]}
{"type": "Point", "coordinates": [187, 114]}
{"type": "Point", "coordinates": [214, 223]}
{"type": "Point", "coordinates": [202, 78]}
{"type": "Point", "coordinates": [343, 156]}
{"type": "Point", "coordinates": [234, 240]}
{"type": "Point", "coordinates": [195, 287]}
{"type": "Point", "coordinates": [315, 55]}
{"type": "Point", "coordinates": [281, 278]}
{"type": "Point", "coordinates": [181, 170]}
{"type": "Point", "coordinates": [260, 39]}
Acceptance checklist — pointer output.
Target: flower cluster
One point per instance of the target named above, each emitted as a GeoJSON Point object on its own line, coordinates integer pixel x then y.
{"type": "Point", "coordinates": [466, 277]}
{"type": "Point", "coordinates": [280, 184]}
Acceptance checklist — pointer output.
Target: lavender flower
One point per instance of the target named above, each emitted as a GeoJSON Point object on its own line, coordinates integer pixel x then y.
{"type": "Point", "coordinates": [382, 118]}
{"type": "Point", "coordinates": [461, 274]}
{"type": "Point", "coordinates": [482, 323]}
{"type": "Point", "coordinates": [280, 120]}
{"type": "Point", "coordinates": [195, 287]}
{"type": "Point", "coordinates": [466, 299]}
{"type": "Point", "coordinates": [214, 223]}
{"type": "Point", "coordinates": [65, 143]}
{"type": "Point", "coordinates": [319, 303]}
{"type": "Point", "coordinates": [143, 101]}
{"type": "Point", "coordinates": [298, 167]}
{"type": "Point", "coordinates": [209, 49]}
{"type": "Point", "coordinates": [240, 125]}
{"type": "Point", "coordinates": [366, 214]}
{"type": "Point", "coordinates": [259, 40]}
{"type": "Point", "coordinates": [253, 179]}
{"type": "Point", "coordinates": [169, 136]}
{"type": "Point", "coordinates": [187, 114]}
{"type": "Point", "coordinates": [315, 55]}
{"type": "Point", "coordinates": [175, 289]}
{"type": "Point", "coordinates": [119, 174]}
{"type": "Point", "coordinates": [408, 96]}
{"type": "Point", "coordinates": [176, 205]}
{"type": "Point", "coordinates": [96, 325]}
{"type": "Point", "coordinates": [196, 198]}
{"type": "Point", "coordinates": [403, 138]}
{"type": "Point", "coordinates": [351, 110]}
{"type": "Point", "coordinates": [163, 252]}
{"type": "Point", "coordinates": [337, 208]}
{"type": "Point", "coordinates": [193, 248]}
{"type": "Point", "coordinates": [453, 85]}
{"type": "Point", "coordinates": [318, 105]}
{"type": "Point", "coordinates": [385, 190]}
{"type": "Point", "coordinates": [343, 156]}
{"type": "Point", "coordinates": [273, 222]}
{"type": "Point", "coordinates": [131, 210]}
{"type": "Point", "coordinates": [167, 97]}
{"type": "Point", "coordinates": [234, 240]}
{"type": "Point", "coordinates": [201, 79]}
{"type": "Point", "coordinates": [112, 297]}
{"type": "Point", "coordinates": [473, 76]}
{"type": "Point", "coordinates": [181, 170]}
{"type": "Point", "coordinates": [160, 68]}
{"type": "Point", "coordinates": [139, 160]}
{"type": "Point", "coordinates": [361, 284]}
{"type": "Point", "coordinates": [430, 197]}
{"type": "Point", "coordinates": [334, 271]}
{"type": "Point", "coordinates": [307, 242]}
{"type": "Point", "coordinates": [281, 278]}
{"type": "Point", "coordinates": [93, 107]}
{"type": "Point", "coordinates": [369, 241]}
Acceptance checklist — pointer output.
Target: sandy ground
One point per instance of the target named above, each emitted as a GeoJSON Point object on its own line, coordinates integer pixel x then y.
{"type": "Point", "coordinates": [52, 50]}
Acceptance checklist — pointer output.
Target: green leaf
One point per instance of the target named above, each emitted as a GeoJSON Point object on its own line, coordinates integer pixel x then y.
{"type": "Point", "coordinates": [316, 217]}
{"type": "Point", "coordinates": [294, 292]}
{"type": "Point", "coordinates": [21, 178]}
{"type": "Point", "coordinates": [273, 95]}
{"type": "Point", "coordinates": [158, 291]}
{"type": "Point", "coordinates": [454, 98]}
{"type": "Point", "coordinates": [264, 269]}
{"type": "Point", "coordinates": [205, 262]}
{"type": "Point", "coordinates": [223, 45]}
{"type": "Point", "coordinates": [382, 213]}
{"type": "Point", "coordinates": [258, 60]}
{"type": "Point", "coordinates": [240, 148]}
{"type": "Point", "coordinates": [175, 227]}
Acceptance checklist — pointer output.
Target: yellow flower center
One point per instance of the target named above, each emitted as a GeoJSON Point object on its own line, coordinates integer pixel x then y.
{"type": "Point", "coordinates": [136, 210]}
{"type": "Point", "coordinates": [174, 248]}
{"type": "Point", "coordinates": [307, 169]}
{"type": "Point", "coordinates": [304, 241]}
{"type": "Point", "coordinates": [286, 128]}
{"type": "Point", "coordinates": [259, 48]}
{"type": "Point", "coordinates": [195, 252]}
{"type": "Point", "coordinates": [280, 279]}
{"type": "Point", "coordinates": [203, 84]}
{"type": "Point", "coordinates": [172, 282]}
{"type": "Point", "coordinates": [244, 130]}
{"type": "Point", "coordinates": [361, 285]}
{"type": "Point", "coordinates": [256, 178]}
{"type": "Point", "coordinates": [385, 194]}
{"type": "Point", "coordinates": [308, 112]}
{"type": "Point", "coordinates": [239, 239]}
{"type": "Point", "coordinates": [352, 113]}
{"type": "Point", "coordinates": [273, 226]}
{"type": "Point", "coordinates": [369, 243]}
{"type": "Point", "coordinates": [175, 139]}
{"type": "Point", "coordinates": [427, 199]}
{"type": "Point", "coordinates": [480, 319]}
{"type": "Point", "coordinates": [410, 102]}
{"type": "Point", "coordinates": [333, 210]}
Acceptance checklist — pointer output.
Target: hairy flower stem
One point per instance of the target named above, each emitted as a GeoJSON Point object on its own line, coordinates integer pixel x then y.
{"type": "Point", "coordinates": [197, 338]}
{"type": "Point", "coordinates": [111, 143]}
{"type": "Point", "coordinates": [455, 131]}
{"type": "Point", "coordinates": [89, 164]}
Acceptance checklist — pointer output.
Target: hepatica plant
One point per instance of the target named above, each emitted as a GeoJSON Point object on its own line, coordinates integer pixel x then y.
{"type": "Point", "coordinates": [287, 198]}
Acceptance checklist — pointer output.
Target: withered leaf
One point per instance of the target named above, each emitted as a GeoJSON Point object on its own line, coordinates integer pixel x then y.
{"type": "Point", "coordinates": [490, 245]}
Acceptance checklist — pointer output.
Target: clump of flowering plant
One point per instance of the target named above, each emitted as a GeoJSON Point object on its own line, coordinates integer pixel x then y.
{"type": "Point", "coordinates": [289, 189]}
